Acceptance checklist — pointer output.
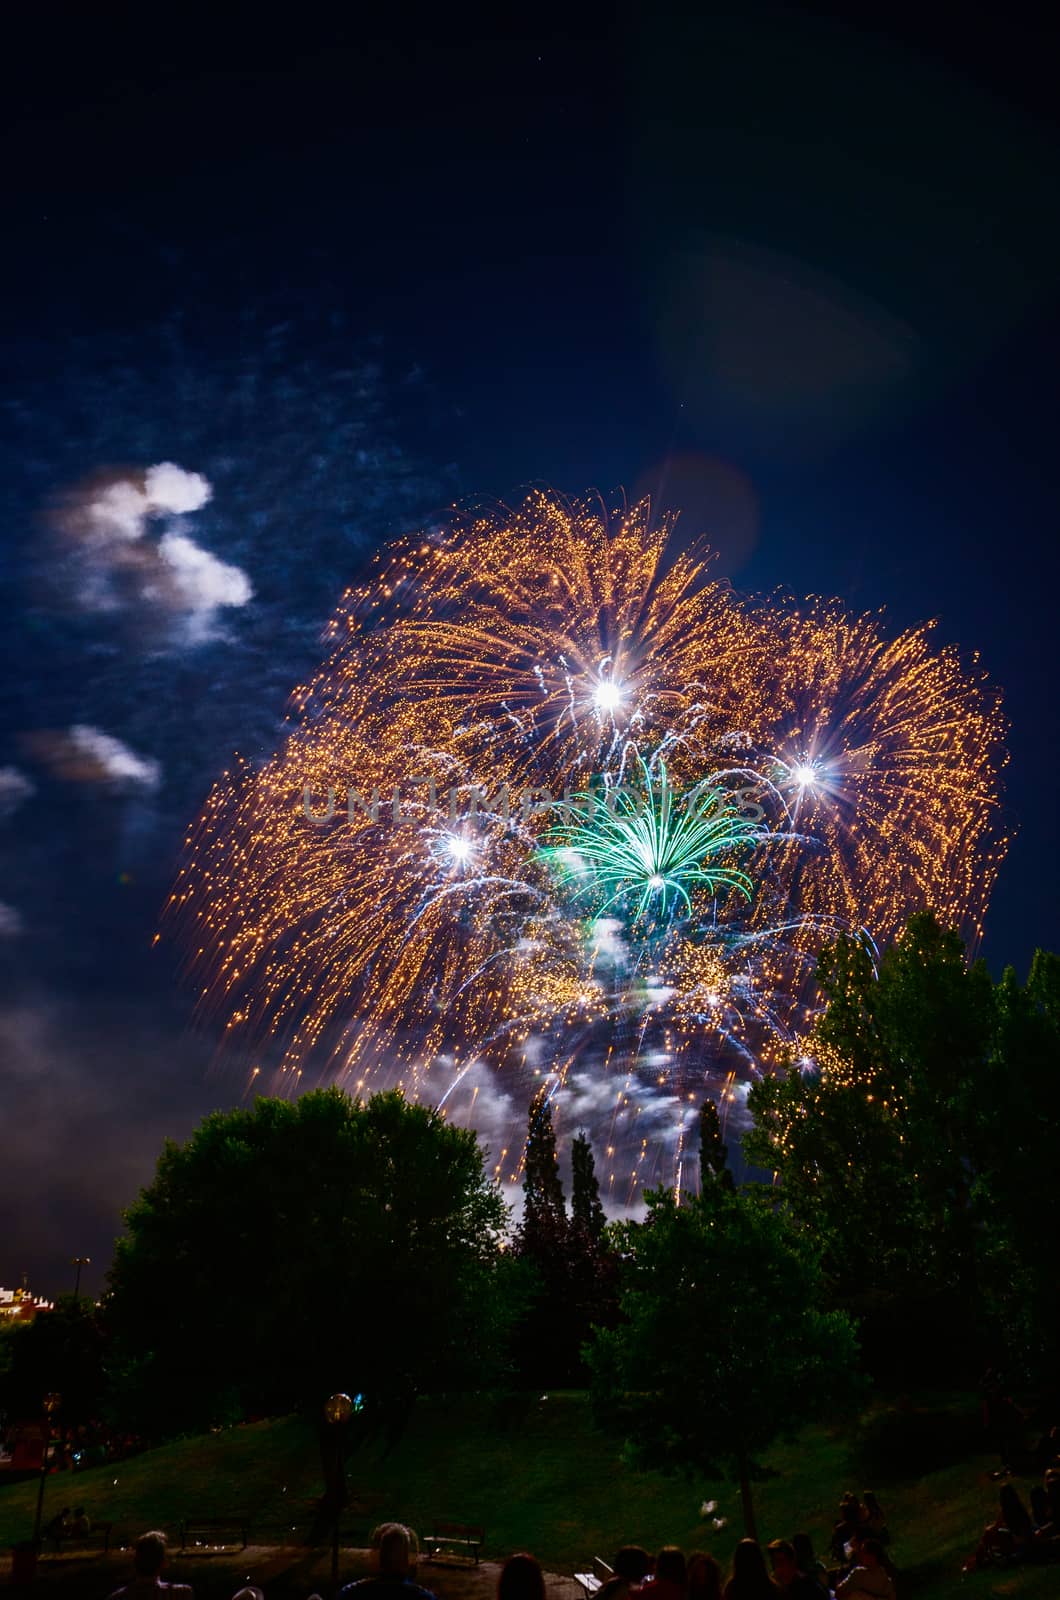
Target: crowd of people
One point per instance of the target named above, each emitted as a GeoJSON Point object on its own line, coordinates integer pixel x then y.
{"type": "Point", "coordinates": [1022, 1533]}
{"type": "Point", "coordinates": [787, 1567]}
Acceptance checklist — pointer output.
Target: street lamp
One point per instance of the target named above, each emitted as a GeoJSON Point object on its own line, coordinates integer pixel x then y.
{"type": "Point", "coordinates": [79, 1262]}
{"type": "Point", "coordinates": [52, 1402]}
{"type": "Point", "coordinates": [338, 1409]}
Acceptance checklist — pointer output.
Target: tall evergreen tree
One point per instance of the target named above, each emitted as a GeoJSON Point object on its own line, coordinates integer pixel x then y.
{"type": "Point", "coordinates": [713, 1154]}
{"type": "Point", "coordinates": [568, 1267]}
{"type": "Point", "coordinates": [544, 1213]}
{"type": "Point", "coordinates": [586, 1211]}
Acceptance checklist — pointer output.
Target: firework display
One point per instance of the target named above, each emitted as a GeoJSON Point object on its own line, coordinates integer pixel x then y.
{"type": "Point", "coordinates": [559, 806]}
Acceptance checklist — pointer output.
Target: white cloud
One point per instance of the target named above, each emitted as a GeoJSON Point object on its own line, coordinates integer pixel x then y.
{"type": "Point", "coordinates": [14, 788]}
{"type": "Point", "coordinates": [10, 921]}
{"type": "Point", "coordinates": [171, 489]}
{"type": "Point", "coordinates": [110, 519]}
{"type": "Point", "coordinates": [117, 512]}
{"type": "Point", "coordinates": [203, 582]}
{"type": "Point", "coordinates": [116, 762]}
{"type": "Point", "coordinates": [83, 754]}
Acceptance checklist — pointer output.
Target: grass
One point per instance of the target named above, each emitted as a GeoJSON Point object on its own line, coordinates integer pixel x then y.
{"type": "Point", "coordinates": [538, 1476]}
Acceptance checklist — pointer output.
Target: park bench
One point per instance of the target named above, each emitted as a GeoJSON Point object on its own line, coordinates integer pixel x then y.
{"type": "Point", "coordinates": [594, 1579]}
{"type": "Point", "coordinates": [455, 1539]}
{"type": "Point", "coordinates": [97, 1538]}
{"type": "Point", "coordinates": [213, 1533]}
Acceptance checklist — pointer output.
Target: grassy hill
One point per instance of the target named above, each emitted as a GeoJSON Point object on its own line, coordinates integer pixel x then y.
{"type": "Point", "coordinates": [539, 1477]}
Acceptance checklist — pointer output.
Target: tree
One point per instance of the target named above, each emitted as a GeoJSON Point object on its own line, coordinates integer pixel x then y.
{"type": "Point", "coordinates": [291, 1250]}
{"type": "Point", "coordinates": [713, 1153]}
{"type": "Point", "coordinates": [587, 1214]}
{"type": "Point", "coordinates": [568, 1268]}
{"type": "Point", "coordinates": [545, 1344]}
{"type": "Point", "coordinates": [60, 1351]}
{"type": "Point", "coordinates": [721, 1346]}
{"type": "Point", "coordinates": [1017, 1136]}
{"type": "Point", "coordinates": [915, 1147]}
{"type": "Point", "coordinates": [544, 1223]}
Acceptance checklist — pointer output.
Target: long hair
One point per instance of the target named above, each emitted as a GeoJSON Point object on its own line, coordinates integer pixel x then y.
{"type": "Point", "coordinates": [703, 1577]}
{"type": "Point", "coordinates": [749, 1576]}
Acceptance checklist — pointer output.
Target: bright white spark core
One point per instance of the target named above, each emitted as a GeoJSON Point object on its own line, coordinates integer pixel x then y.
{"type": "Point", "coordinates": [608, 695]}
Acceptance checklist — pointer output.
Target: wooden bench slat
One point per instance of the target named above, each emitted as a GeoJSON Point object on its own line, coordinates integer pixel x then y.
{"type": "Point", "coordinates": [215, 1525]}
{"type": "Point", "coordinates": [457, 1537]}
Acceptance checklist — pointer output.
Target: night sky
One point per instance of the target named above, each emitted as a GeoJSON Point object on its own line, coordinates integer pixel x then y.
{"type": "Point", "coordinates": [794, 276]}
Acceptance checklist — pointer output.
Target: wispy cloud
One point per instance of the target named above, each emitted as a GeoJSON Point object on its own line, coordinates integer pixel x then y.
{"type": "Point", "coordinates": [15, 787]}
{"type": "Point", "coordinates": [83, 754]}
{"type": "Point", "coordinates": [203, 582]}
{"type": "Point", "coordinates": [112, 518]}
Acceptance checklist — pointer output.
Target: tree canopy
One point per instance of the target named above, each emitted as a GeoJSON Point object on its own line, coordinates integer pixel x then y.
{"type": "Point", "coordinates": [915, 1143]}
{"type": "Point", "coordinates": [300, 1247]}
{"type": "Point", "coordinates": [721, 1344]}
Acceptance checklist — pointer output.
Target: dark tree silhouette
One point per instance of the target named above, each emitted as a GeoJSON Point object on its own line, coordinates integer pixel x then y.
{"type": "Point", "coordinates": [587, 1214]}
{"type": "Point", "coordinates": [544, 1224]}
{"type": "Point", "coordinates": [713, 1154]}
{"type": "Point", "coordinates": [337, 1244]}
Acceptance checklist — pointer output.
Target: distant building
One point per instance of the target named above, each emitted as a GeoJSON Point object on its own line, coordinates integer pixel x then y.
{"type": "Point", "coordinates": [19, 1305]}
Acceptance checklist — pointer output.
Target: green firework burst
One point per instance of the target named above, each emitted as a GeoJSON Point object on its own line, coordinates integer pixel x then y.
{"type": "Point", "coordinates": [650, 848]}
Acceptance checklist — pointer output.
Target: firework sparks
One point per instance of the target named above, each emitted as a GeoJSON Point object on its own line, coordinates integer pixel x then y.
{"type": "Point", "coordinates": [466, 916]}
{"type": "Point", "coordinates": [652, 848]}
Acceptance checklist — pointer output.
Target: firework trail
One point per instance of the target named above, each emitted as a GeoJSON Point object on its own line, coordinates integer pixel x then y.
{"type": "Point", "coordinates": [559, 805]}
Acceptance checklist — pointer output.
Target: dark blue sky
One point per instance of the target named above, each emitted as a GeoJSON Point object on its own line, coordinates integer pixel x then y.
{"type": "Point", "coordinates": [798, 276]}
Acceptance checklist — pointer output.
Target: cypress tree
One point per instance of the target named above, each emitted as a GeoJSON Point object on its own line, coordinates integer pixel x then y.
{"type": "Point", "coordinates": [713, 1155]}
{"type": "Point", "coordinates": [544, 1213]}
{"type": "Point", "coordinates": [587, 1212]}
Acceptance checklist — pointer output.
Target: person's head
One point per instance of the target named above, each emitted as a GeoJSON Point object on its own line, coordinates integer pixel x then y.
{"type": "Point", "coordinates": [703, 1577]}
{"type": "Point", "coordinates": [872, 1505]}
{"type": "Point", "coordinates": [782, 1557]}
{"type": "Point", "coordinates": [749, 1566]}
{"type": "Point", "coordinates": [396, 1548]}
{"type": "Point", "coordinates": [79, 1511]}
{"type": "Point", "coordinates": [802, 1545]}
{"type": "Point", "coordinates": [870, 1553]}
{"type": "Point", "coordinates": [521, 1579]}
{"type": "Point", "coordinates": [149, 1554]}
{"type": "Point", "coordinates": [849, 1507]}
{"type": "Point", "coordinates": [632, 1563]}
{"type": "Point", "coordinates": [670, 1564]}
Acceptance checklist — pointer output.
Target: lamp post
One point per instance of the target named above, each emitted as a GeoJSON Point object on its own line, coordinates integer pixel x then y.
{"type": "Point", "coordinates": [52, 1402]}
{"type": "Point", "coordinates": [338, 1409]}
{"type": "Point", "coordinates": [79, 1262]}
